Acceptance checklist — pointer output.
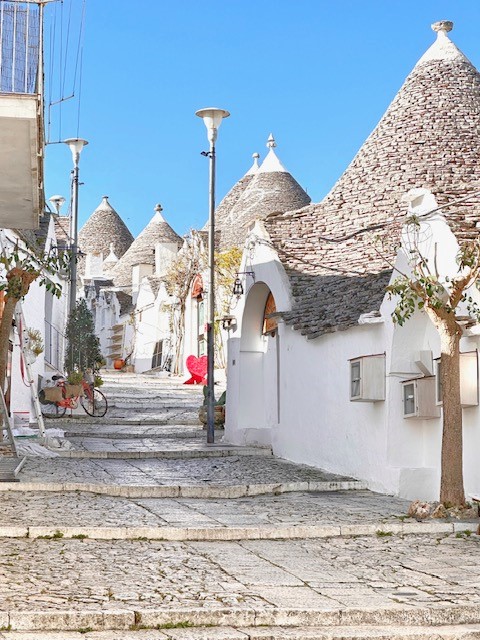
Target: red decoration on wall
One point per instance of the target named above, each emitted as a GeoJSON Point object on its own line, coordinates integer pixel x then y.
{"type": "Point", "coordinates": [197, 286]}
{"type": "Point", "coordinates": [197, 367]}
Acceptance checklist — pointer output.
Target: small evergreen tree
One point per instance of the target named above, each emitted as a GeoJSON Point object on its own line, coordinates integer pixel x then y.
{"type": "Point", "coordinates": [83, 347]}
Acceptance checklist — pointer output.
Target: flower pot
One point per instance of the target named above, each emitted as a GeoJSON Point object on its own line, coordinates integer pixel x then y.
{"type": "Point", "coordinates": [118, 364]}
{"type": "Point", "coordinates": [219, 416]}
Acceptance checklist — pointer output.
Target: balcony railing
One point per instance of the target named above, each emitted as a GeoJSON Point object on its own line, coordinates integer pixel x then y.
{"type": "Point", "coordinates": [19, 46]}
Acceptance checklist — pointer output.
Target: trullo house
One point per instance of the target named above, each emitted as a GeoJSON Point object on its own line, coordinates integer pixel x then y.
{"type": "Point", "coordinates": [316, 367]}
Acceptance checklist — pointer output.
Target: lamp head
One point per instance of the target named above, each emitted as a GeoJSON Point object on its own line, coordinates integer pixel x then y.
{"type": "Point", "coordinates": [238, 287]}
{"type": "Point", "coordinates": [75, 145]}
{"type": "Point", "coordinates": [212, 117]}
{"type": "Point", "coordinates": [58, 202]}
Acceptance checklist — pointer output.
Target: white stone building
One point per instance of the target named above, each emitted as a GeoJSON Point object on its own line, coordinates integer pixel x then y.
{"type": "Point", "coordinates": [316, 367]}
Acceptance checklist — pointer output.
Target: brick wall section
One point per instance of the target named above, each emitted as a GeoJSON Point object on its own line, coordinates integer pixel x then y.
{"type": "Point", "coordinates": [429, 137]}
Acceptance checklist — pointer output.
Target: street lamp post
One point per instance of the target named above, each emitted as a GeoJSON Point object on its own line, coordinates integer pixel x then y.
{"type": "Point", "coordinates": [212, 118]}
{"type": "Point", "coordinates": [76, 145]}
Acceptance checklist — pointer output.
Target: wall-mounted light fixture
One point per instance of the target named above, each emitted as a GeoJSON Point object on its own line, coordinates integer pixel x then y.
{"type": "Point", "coordinates": [238, 289]}
{"type": "Point", "coordinates": [228, 322]}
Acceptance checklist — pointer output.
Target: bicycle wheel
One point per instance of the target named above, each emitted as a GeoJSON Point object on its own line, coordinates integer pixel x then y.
{"type": "Point", "coordinates": [52, 410]}
{"type": "Point", "coordinates": [95, 405]}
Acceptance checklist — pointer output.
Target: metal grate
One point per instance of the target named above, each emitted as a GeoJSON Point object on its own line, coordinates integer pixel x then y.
{"type": "Point", "coordinates": [19, 46]}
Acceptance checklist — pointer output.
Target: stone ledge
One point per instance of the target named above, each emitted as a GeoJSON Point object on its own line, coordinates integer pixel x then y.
{"type": "Point", "coordinates": [464, 632]}
{"type": "Point", "coordinates": [227, 533]}
{"type": "Point", "coordinates": [351, 619]}
{"type": "Point", "coordinates": [185, 491]}
{"type": "Point", "coordinates": [181, 454]}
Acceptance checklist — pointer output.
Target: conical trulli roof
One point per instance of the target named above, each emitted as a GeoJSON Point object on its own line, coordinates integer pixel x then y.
{"type": "Point", "coordinates": [429, 137]}
{"type": "Point", "coordinates": [142, 250]}
{"type": "Point", "coordinates": [229, 201]}
{"type": "Point", "coordinates": [103, 228]}
{"type": "Point", "coordinates": [271, 189]}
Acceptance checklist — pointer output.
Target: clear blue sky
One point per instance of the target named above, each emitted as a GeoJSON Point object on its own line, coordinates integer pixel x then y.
{"type": "Point", "coordinates": [318, 74]}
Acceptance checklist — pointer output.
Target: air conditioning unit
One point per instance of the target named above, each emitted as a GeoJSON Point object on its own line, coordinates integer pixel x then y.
{"type": "Point", "coordinates": [367, 378]}
{"type": "Point", "coordinates": [419, 398]}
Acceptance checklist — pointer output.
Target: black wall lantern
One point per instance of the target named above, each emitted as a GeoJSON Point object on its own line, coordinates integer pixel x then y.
{"type": "Point", "coordinates": [238, 289]}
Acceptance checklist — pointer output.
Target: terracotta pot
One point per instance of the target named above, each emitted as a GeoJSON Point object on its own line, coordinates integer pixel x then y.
{"type": "Point", "coordinates": [219, 416]}
{"type": "Point", "coordinates": [118, 364]}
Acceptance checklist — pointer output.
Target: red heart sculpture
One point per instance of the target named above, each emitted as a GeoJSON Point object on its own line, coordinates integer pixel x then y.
{"type": "Point", "coordinates": [197, 367]}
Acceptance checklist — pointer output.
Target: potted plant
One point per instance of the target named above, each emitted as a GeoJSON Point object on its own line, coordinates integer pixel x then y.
{"type": "Point", "coordinates": [219, 419]}
{"type": "Point", "coordinates": [74, 384]}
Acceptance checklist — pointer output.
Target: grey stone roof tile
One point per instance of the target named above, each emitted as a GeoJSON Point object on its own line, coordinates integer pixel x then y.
{"type": "Point", "coordinates": [103, 228]}
{"type": "Point", "coordinates": [142, 250]}
{"type": "Point", "coordinates": [271, 189]}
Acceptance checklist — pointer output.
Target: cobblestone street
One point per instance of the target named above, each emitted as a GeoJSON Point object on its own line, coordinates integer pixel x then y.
{"type": "Point", "coordinates": [221, 543]}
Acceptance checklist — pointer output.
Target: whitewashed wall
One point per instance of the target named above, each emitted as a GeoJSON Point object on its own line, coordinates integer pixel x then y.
{"type": "Point", "coordinates": [297, 400]}
{"type": "Point", "coordinates": [152, 325]}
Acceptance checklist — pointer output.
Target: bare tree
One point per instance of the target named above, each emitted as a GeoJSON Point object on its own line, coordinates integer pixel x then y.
{"type": "Point", "coordinates": [442, 298]}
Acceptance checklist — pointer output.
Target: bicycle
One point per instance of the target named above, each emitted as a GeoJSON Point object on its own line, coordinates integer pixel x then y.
{"type": "Point", "coordinates": [93, 401]}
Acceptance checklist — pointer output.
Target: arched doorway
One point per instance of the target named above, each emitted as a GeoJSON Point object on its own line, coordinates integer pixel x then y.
{"type": "Point", "coordinates": [258, 408]}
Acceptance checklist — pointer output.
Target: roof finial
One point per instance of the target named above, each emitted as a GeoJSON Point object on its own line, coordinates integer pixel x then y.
{"type": "Point", "coordinates": [271, 144]}
{"type": "Point", "coordinates": [442, 26]}
{"type": "Point", "coordinates": [112, 247]}
{"type": "Point", "coordinates": [255, 157]}
{"type": "Point", "coordinates": [158, 208]}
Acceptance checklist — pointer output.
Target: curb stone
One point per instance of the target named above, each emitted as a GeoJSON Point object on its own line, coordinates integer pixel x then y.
{"type": "Point", "coordinates": [226, 533]}
{"type": "Point", "coordinates": [178, 454]}
{"type": "Point", "coordinates": [247, 617]}
{"type": "Point", "coordinates": [469, 632]}
{"type": "Point", "coordinates": [184, 491]}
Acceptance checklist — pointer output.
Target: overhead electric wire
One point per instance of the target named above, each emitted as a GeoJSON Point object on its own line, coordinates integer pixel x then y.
{"type": "Point", "coordinates": [65, 61]}
{"type": "Point", "coordinates": [66, 48]}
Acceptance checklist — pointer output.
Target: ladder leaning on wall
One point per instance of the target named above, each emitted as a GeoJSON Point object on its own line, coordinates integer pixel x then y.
{"type": "Point", "coordinates": [24, 340]}
{"type": "Point", "coordinates": [11, 464]}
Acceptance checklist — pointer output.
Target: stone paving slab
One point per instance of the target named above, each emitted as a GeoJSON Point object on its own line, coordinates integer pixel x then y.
{"type": "Point", "coordinates": [334, 509]}
{"type": "Point", "coordinates": [419, 580]}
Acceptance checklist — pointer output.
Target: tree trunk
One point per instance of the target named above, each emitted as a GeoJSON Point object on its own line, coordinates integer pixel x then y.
{"type": "Point", "coordinates": [451, 484]}
{"type": "Point", "coordinates": [5, 329]}
{"type": "Point", "coordinates": [19, 281]}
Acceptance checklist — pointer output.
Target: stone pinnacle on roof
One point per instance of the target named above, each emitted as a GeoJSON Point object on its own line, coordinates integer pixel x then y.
{"type": "Point", "coordinates": [142, 249]}
{"type": "Point", "coordinates": [443, 48]}
{"type": "Point", "coordinates": [112, 258]}
{"type": "Point", "coordinates": [254, 168]}
{"type": "Point", "coordinates": [271, 162]}
{"type": "Point", "coordinates": [103, 228]}
{"type": "Point", "coordinates": [272, 189]}
{"type": "Point", "coordinates": [429, 137]}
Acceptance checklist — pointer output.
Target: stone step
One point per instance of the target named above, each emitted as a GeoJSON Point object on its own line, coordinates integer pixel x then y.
{"type": "Point", "coordinates": [9, 468]}
{"type": "Point", "coordinates": [291, 621]}
{"type": "Point", "coordinates": [112, 419]}
{"type": "Point", "coordinates": [231, 533]}
{"type": "Point", "coordinates": [457, 632]}
{"type": "Point", "coordinates": [187, 491]}
{"type": "Point", "coordinates": [179, 454]}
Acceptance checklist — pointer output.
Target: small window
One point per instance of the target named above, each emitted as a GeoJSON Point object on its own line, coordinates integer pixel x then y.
{"type": "Point", "coordinates": [355, 379]}
{"type": "Point", "coordinates": [409, 399]}
{"type": "Point", "coordinates": [367, 378]}
{"type": "Point", "coordinates": [157, 355]}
